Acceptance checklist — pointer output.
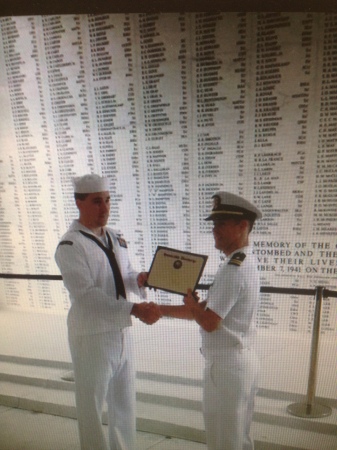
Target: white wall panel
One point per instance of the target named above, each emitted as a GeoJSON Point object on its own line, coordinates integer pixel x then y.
{"type": "Point", "coordinates": [172, 107]}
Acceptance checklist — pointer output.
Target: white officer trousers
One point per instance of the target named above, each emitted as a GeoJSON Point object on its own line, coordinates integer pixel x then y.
{"type": "Point", "coordinates": [104, 371]}
{"type": "Point", "coordinates": [230, 386]}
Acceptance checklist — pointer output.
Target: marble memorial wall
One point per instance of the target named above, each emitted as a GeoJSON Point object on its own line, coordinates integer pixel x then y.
{"type": "Point", "coordinates": [172, 107]}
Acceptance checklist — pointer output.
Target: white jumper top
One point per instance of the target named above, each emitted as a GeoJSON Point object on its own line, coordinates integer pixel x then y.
{"type": "Point", "coordinates": [88, 277]}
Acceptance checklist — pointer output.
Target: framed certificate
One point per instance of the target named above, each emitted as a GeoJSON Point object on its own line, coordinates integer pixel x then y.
{"type": "Point", "coordinates": [175, 271]}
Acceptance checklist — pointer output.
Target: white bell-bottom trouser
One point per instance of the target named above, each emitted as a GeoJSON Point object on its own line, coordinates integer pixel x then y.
{"type": "Point", "coordinates": [230, 386]}
{"type": "Point", "coordinates": [104, 371]}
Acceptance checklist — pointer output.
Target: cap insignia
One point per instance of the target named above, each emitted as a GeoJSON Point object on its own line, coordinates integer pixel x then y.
{"type": "Point", "coordinates": [216, 202]}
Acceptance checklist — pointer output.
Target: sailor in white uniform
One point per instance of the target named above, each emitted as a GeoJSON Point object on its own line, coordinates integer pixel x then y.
{"type": "Point", "coordinates": [96, 271]}
{"type": "Point", "coordinates": [227, 326]}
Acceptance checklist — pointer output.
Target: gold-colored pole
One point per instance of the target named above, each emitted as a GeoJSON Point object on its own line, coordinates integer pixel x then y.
{"type": "Point", "coordinates": [312, 380]}
{"type": "Point", "coordinates": [310, 409]}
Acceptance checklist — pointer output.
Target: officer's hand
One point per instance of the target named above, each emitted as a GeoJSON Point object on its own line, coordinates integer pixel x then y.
{"type": "Point", "coordinates": [191, 298]}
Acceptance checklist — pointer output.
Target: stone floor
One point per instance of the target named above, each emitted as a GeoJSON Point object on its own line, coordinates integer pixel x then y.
{"type": "Point", "coordinates": [27, 430]}
{"type": "Point", "coordinates": [171, 348]}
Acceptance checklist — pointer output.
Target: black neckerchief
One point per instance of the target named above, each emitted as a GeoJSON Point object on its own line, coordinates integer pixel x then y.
{"type": "Point", "coordinates": [119, 284]}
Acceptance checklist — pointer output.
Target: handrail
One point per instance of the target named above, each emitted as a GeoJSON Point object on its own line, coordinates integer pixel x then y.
{"type": "Point", "coordinates": [309, 409]}
{"type": "Point", "coordinates": [273, 290]}
{"type": "Point", "coordinates": [205, 287]}
{"type": "Point", "coordinates": [21, 276]}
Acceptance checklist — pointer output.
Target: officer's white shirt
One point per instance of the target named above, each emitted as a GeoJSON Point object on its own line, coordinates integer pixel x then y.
{"type": "Point", "coordinates": [233, 296]}
{"type": "Point", "coordinates": [88, 277]}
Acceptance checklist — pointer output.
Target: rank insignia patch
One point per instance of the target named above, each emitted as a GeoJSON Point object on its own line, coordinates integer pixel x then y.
{"type": "Point", "coordinates": [237, 259]}
{"type": "Point", "coordinates": [65, 243]}
{"type": "Point", "coordinates": [122, 242]}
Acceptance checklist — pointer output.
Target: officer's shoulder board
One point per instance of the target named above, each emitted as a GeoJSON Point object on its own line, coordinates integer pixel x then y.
{"type": "Point", "coordinates": [65, 243]}
{"type": "Point", "coordinates": [237, 259]}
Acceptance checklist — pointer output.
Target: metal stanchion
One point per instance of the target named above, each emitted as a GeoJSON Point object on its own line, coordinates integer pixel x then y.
{"type": "Point", "coordinates": [310, 409]}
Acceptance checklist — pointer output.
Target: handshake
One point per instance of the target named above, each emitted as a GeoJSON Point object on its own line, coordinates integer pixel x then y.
{"type": "Point", "coordinates": [148, 313]}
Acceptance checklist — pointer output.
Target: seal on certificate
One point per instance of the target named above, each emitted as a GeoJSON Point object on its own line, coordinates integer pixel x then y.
{"type": "Point", "coordinates": [177, 264]}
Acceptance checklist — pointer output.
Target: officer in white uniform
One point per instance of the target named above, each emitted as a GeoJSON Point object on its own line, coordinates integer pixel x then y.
{"type": "Point", "coordinates": [96, 271]}
{"type": "Point", "coordinates": [227, 321]}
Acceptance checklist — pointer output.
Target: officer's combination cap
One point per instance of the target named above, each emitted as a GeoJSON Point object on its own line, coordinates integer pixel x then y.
{"type": "Point", "coordinates": [88, 184]}
{"type": "Point", "coordinates": [227, 206]}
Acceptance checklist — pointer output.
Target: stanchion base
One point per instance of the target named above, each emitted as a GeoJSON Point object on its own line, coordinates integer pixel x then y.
{"type": "Point", "coordinates": [309, 411]}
